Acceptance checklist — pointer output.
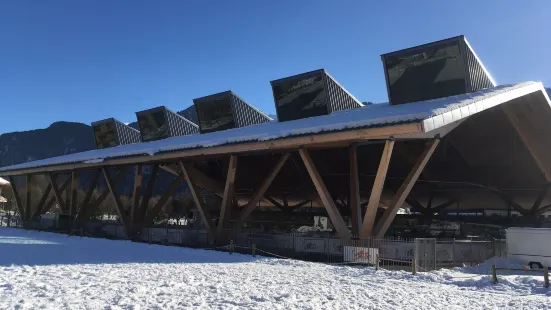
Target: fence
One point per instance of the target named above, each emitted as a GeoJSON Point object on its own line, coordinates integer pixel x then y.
{"type": "Point", "coordinates": [387, 253]}
{"type": "Point", "coordinates": [9, 220]}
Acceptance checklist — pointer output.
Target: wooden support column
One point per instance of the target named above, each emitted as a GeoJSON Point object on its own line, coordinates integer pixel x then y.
{"type": "Point", "coordinates": [73, 197]}
{"type": "Point", "coordinates": [540, 199]}
{"type": "Point", "coordinates": [147, 195]}
{"type": "Point", "coordinates": [136, 195]}
{"type": "Point", "coordinates": [509, 200]}
{"type": "Point", "coordinates": [404, 190]}
{"type": "Point", "coordinates": [355, 203]}
{"type": "Point", "coordinates": [164, 199]}
{"type": "Point", "coordinates": [42, 202]}
{"type": "Point", "coordinates": [17, 198]}
{"type": "Point", "coordinates": [201, 180]}
{"type": "Point", "coordinates": [328, 202]}
{"type": "Point", "coordinates": [90, 207]}
{"type": "Point", "coordinates": [377, 190]}
{"type": "Point", "coordinates": [28, 193]}
{"type": "Point", "coordinates": [50, 203]}
{"type": "Point", "coordinates": [225, 208]}
{"type": "Point", "coordinates": [259, 193]}
{"type": "Point", "coordinates": [542, 210]}
{"type": "Point", "coordinates": [275, 203]}
{"type": "Point", "coordinates": [88, 195]}
{"type": "Point", "coordinates": [118, 204]}
{"type": "Point", "coordinates": [287, 208]}
{"type": "Point", "coordinates": [198, 199]}
{"type": "Point", "coordinates": [57, 192]}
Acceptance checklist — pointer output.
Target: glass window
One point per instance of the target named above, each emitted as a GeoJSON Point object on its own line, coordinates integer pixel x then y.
{"type": "Point", "coordinates": [106, 135]}
{"type": "Point", "coordinates": [434, 72]}
{"type": "Point", "coordinates": [153, 126]}
{"type": "Point", "coordinates": [215, 114]}
{"type": "Point", "coordinates": [299, 98]}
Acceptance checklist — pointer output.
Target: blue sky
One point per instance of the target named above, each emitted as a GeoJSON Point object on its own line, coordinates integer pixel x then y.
{"type": "Point", "coordinates": [88, 60]}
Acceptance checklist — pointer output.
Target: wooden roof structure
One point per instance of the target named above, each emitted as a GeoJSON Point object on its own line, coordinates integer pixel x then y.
{"type": "Point", "coordinates": [260, 162]}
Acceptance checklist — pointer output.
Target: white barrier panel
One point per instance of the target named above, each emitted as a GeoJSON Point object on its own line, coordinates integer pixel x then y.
{"type": "Point", "coordinates": [398, 250]}
{"type": "Point", "coordinates": [361, 255]}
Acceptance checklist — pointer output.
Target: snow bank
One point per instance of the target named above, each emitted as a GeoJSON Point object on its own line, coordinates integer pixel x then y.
{"type": "Point", "coordinates": [486, 267]}
{"type": "Point", "coordinates": [51, 271]}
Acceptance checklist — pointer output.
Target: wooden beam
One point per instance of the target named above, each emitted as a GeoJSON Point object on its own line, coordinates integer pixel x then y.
{"type": "Point", "coordinates": [42, 202]}
{"type": "Point", "coordinates": [74, 193]}
{"type": "Point", "coordinates": [290, 143]}
{"type": "Point", "coordinates": [57, 192]}
{"type": "Point", "coordinates": [509, 200]}
{"type": "Point", "coordinates": [28, 193]}
{"type": "Point", "coordinates": [328, 202]}
{"type": "Point", "coordinates": [147, 195]}
{"type": "Point", "coordinates": [416, 205]}
{"type": "Point", "coordinates": [405, 188]}
{"type": "Point", "coordinates": [151, 214]}
{"type": "Point", "coordinates": [431, 198]}
{"type": "Point", "coordinates": [202, 180]}
{"type": "Point", "coordinates": [118, 204]}
{"type": "Point", "coordinates": [225, 208]}
{"type": "Point", "coordinates": [377, 190]}
{"type": "Point", "coordinates": [287, 208]}
{"type": "Point", "coordinates": [89, 193]}
{"type": "Point", "coordinates": [405, 151]}
{"type": "Point", "coordinates": [300, 204]}
{"type": "Point", "coordinates": [198, 199]}
{"type": "Point", "coordinates": [529, 116]}
{"type": "Point", "coordinates": [136, 195]}
{"type": "Point", "coordinates": [540, 198]}
{"type": "Point", "coordinates": [355, 201]}
{"type": "Point", "coordinates": [17, 198]}
{"type": "Point", "coordinates": [542, 210]}
{"type": "Point", "coordinates": [91, 207]}
{"type": "Point", "coordinates": [260, 191]}
{"type": "Point", "coordinates": [275, 203]}
{"type": "Point", "coordinates": [52, 200]}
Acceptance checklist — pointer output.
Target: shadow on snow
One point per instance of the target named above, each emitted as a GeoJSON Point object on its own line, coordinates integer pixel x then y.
{"type": "Point", "coordinates": [33, 248]}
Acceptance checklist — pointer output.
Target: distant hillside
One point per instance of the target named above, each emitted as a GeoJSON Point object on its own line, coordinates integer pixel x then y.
{"type": "Point", "coordinates": [548, 89]}
{"type": "Point", "coordinates": [58, 139]}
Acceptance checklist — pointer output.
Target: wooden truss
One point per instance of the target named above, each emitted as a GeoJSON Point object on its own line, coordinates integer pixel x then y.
{"type": "Point", "coordinates": [138, 214]}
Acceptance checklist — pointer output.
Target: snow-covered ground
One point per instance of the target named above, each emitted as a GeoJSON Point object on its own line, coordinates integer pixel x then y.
{"type": "Point", "coordinates": [49, 271]}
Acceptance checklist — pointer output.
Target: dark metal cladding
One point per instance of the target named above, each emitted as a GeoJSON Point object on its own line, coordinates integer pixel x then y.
{"type": "Point", "coordinates": [160, 123]}
{"type": "Point", "coordinates": [179, 125]}
{"type": "Point", "coordinates": [127, 134]}
{"type": "Point", "coordinates": [245, 114]}
{"type": "Point", "coordinates": [224, 111]}
{"type": "Point", "coordinates": [478, 77]}
{"type": "Point", "coordinates": [111, 132]}
{"type": "Point", "coordinates": [339, 97]}
{"type": "Point", "coordinates": [310, 94]}
{"type": "Point", "coordinates": [439, 69]}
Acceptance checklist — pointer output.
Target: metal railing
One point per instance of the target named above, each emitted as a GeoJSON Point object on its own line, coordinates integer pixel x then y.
{"type": "Point", "coordinates": [386, 253]}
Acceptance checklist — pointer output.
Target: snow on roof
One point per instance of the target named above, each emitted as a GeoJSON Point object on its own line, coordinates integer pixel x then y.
{"type": "Point", "coordinates": [431, 113]}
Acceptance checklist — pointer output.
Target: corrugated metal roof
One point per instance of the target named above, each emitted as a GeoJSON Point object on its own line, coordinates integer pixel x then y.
{"type": "Point", "coordinates": [431, 113]}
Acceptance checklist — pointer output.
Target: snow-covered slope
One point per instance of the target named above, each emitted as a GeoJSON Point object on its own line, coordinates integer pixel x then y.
{"type": "Point", "coordinates": [50, 271]}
